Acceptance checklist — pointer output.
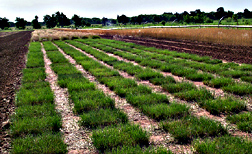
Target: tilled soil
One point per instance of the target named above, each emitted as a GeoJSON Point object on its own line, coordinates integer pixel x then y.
{"type": "Point", "coordinates": [239, 54]}
{"type": "Point", "coordinates": [13, 49]}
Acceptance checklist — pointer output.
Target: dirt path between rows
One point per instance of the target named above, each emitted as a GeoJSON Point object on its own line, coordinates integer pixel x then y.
{"type": "Point", "coordinates": [77, 138]}
{"type": "Point", "coordinates": [239, 54]}
{"type": "Point", "coordinates": [13, 50]}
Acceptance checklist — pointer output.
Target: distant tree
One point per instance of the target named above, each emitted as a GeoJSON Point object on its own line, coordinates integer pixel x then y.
{"type": "Point", "coordinates": [235, 18]}
{"type": "Point", "coordinates": [62, 19]}
{"type": "Point", "coordinates": [247, 13]}
{"type": "Point", "coordinates": [122, 19]}
{"type": "Point", "coordinates": [220, 13]}
{"type": "Point", "coordinates": [88, 24]}
{"type": "Point", "coordinates": [50, 21]}
{"type": "Point", "coordinates": [4, 23]}
{"type": "Point", "coordinates": [77, 20]}
{"type": "Point", "coordinates": [104, 21]}
{"type": "Point", "coordinates": [35, 23]}
{"type": "Point", "coordinates": [113, 21]}
{"type": "Point", "coordinates": [20, 23]}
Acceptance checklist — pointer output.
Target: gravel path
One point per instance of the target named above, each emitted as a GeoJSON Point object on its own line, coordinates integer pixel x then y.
{"type": "Point", "coordinates": [76, 137]}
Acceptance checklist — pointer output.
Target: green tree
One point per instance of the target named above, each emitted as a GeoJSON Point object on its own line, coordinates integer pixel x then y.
{"type": "Point", "coordinates": [35, 23]}
{"type": "Point", "coordinates": [20, 23]}
{"type": "Point", "coordinates": [122, 19]}
{"type": "Point", "coordinates": [62, 19]}
{"type": "Point", "coordinates": [4, 23]}
{"type": "Point", "coordinates": [77, 20]}
{"type": "Point", "coordinates": [50, 21]}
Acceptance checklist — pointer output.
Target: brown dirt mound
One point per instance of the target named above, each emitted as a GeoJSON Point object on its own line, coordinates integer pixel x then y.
{"type": "Point", "coordinates": [13, 49]}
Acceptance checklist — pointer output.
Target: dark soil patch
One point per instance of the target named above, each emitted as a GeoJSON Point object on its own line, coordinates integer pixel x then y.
{"type": "Point", "coordinates": [13, 49]}
{"type": "Point", "coordinates": [239, 54]}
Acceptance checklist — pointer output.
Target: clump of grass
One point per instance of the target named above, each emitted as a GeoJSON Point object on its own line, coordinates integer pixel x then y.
{"type": "Point", "coordinates": [34, 125]}
{"type": "Point", "coordinates": [33, 74]}
{"type": "Point", "coordinates": [227, 105]}
{"type": "Point", "coordinates": [80, 86]}
{"type": "Point", "coordinates": [64, 68]}
{"type": "Point", "coordinates": [95, 101]}
{"type": "Point", "coordinates": [195, 95]}
{"type": "Point", "coordinates": [102, 118]}
{"type": "Point", "coordinates": [34, 96]}
{"type": "Point", "coordinates": [147, 74]}
{"type": "Point", "coordinates": [188, 128]}
{"type": "Point", "coordinates": [178, 87]}
{"type": "Point", "coordinates": [242, 120]}
{"type": "Point", "coordinates": [165, 111]}
{"type": "Point", "coordinates": [44, 143]}
{"type": "Point", "coordinates": [224, 144]}
{"type": "Point", "coordinates": [56, 57]}
{"type": "Point", "coordinates": [247, 78]}
{"type": "Point", "coordinates": [35, 59]}
{"type": "Point", "coordinates": [123, 135]}
{"type": "Point", "coordinates": [239, 89]}
{"type": "Point", "coordinates": [138, 150]}
{"type": "Point", "coordinates": [219, 82]}
{"type": "Point", "coordinates": [35, 47]}
{"type": "Point", "coordinates": [139, 100]}
{"type": "Point", "coordinates": [234, 73]}
{"type": "Point", "coordinates": [162, 80]}
{"type": "Point", "coordinates": [49, 46]}
{"type": "Point", "coordinates": [39, 111]}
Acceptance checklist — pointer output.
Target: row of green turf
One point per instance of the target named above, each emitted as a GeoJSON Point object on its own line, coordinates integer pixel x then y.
{"type": "Point", "coordinates": [228, 105]}
{"type": "Point", "coordinates": [182, 90]}
{"type": "Point", "coordinates": [35, 124]}
{"type": "Point", "coordinates": [216, 106]}
{"type": "Point", "coordinates": [223, 69]}
{"type": "Point", "coordinates": [182, 55]}
{"type": "Point", "coordinates": [111, 130]}
{"type": "Point", "coordinates": [151, 104]}
{"type": "Point", "coordinates": [180, 69]}
{"type": "Point", "coordinates": [188, 127]}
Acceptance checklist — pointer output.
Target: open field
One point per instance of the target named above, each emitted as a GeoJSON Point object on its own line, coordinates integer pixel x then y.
{"type": "Point", "coordinates": [84, 94]}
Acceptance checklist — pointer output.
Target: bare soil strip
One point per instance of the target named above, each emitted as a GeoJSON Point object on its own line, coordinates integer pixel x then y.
{"type": "Point", "coordinates": [239, 54]}
{"type": "Point", "coordinates": [13, 49]}
{"type": "Point", "coordinates": [158, 136]}
{"type": "Point", "coordinates": [76, 137]}
{"type": "Point", "coordinates": [195, 109]}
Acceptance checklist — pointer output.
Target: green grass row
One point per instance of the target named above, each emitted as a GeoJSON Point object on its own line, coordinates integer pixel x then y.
{"type": "Point", "coordinates": [111, 130]}
{"type": "Point", "coordinates": [226, 105]}
{"type": "Point", "coordinates": [180, 70]}
{"type": "Point", "coordinates": [183, 90]}
{"type": "Point", "coordinates": [142, 97]}
{"type": "Point", "coordinates": [241, 145]}
{"type": "Point", "coordinates": [36, 125]}
{"type": "Point", "coordinates": [227, 70]}
{"type": "Point", "coordinates": [152, 51]}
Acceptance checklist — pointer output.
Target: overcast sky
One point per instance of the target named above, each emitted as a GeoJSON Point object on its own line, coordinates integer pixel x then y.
{"type": "Point", "coordinates": [27, 9]}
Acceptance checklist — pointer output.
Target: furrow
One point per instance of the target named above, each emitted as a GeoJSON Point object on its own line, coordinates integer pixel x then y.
{"type": "Point", "coordinates": [76, 137]}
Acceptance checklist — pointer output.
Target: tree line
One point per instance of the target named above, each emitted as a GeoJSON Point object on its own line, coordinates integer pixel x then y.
{"type": "Point", "coordinates": [59, 19]}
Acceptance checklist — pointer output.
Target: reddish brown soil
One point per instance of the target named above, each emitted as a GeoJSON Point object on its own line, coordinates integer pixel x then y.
{"type": "Point", "coordinates": [13, 49]}
{"type": "Point", "coordinates": [239, 54]}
